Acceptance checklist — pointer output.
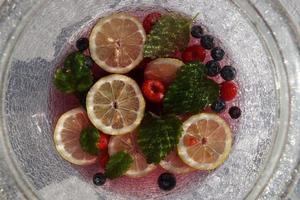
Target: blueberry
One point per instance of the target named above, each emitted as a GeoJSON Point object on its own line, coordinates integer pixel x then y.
{"type": "Point", "coordinates": [197, 31]}
{"type": "Point", "coordinates": [213, 68]}
{"type": "Point", "coordinates": [166, 181]}
{"type": "Point", "coordinates": [217, 53]}
{"type": "Point", "coordinates": [82, 44]}
{"type": "Point", "coordinates": [89, 61]}
{"type": "Point", "coordinates": [207, 41]}
{"type": "Point", "coordinates": [218, 106]}
{"type": "Point", "coordinates": [228, 73]}
{"type": "Point", "coordinates": [235, 112]}
{"type": "Point", "coordinates": [99, 179]}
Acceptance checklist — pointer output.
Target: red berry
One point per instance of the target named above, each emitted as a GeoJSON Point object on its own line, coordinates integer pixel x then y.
{"type": "Point", "coordinates": [103, 159]}
{"type": "Point", "coordinates": [228, 90]}
{"type": "Point", "coordinates": [103, 141]}
{"type": "Point", "coordinates": [193, 53]}
{"type": "Point", "coordinates": [150, 20]}
{"type": "Point", "coordinates": [153, 90]}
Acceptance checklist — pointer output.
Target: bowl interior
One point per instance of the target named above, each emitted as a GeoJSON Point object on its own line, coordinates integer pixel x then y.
{"type": "Point", "coordinates": [32, 105]}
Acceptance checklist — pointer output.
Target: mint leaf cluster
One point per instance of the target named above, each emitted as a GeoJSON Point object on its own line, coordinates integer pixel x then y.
{"type": "Point", "coordinates": [89, 138]}
{"type": "Point", "coordinates": [158, 136]}
{"type": "Point", "coordinates": [191, 91]}
{"type": "Point", "coordinates": [170, 34]}
{"type": "Point", "coordinates": [118, 164]}
{"type": "Point", "coordinates": [75, 75]}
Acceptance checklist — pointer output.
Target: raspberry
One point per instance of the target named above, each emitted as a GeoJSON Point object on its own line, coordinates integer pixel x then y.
{"type": "Point", "coordinates": [153, 90]}
{"type": "Point", "coordinates": [103, 141]}
{"type": "Point", "coordinates": [150, 20]}
{"type": "Point", "coordinates": [228, 90]}
{"type": "Point", "coordinates": [193, 53]}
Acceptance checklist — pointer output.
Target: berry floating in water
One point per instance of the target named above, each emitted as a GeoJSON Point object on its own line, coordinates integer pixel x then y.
{"type": "Point", "coordinates": [218, 106]}
{"type": "Point", "coordinates": [207, 41]}
{"type": "Point", "coordinates": [82, 44]}
{"type": "Point", "coordinates": [166, 181]}
{"type": "Point", "coordinates": [228, 73]}
{"type": "Point", "coordinates": [150, 20]}
{"type": "Point", "coordinates": [217, 53]}
{"type": "Point", "coordinates": [193, 53]}
{"type": "Point", "coordinates": [213, 68]}
{"type": "Point", "coordinates": [99, 179]}
{"type": "Point", "coordinates": [153, 90]}
{"type": "Point", "coordinates": [228, 90]}
{"type": "Point", "coordinates": [197, 31]}
{"type": "Point", "coordinates": [235, 112]}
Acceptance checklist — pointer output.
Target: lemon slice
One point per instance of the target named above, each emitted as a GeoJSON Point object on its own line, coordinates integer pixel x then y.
{"type": "Point", "coordinates": [128, 143]}
{"type": "Point", "coordinates": [163, 69]}
{"type": "Point", "coordinates": [174, 164]}
{"type": "Point", "coordinates": [67, 135]}
{"type": "Point", "coordinates": [206, 141]}
{"type": "Point", "coordinates": [116, 43]}
{"type": "Point", "coordinates": [115, 104]}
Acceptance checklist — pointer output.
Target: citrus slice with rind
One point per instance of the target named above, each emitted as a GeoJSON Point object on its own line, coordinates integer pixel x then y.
{"type": "Point", "coordinates": [116, 43]}
{"type": "Point", "coordinates": [163, 69]}
{"type": "Point", "coordinates": [206, 141]}
{"type": "Point", "coordinates": [128, 143]}
{"type": "Point", "coordinates": [67, 135]}
{"type": "Point", "coordinates": [115, 104]}
{"type": "Point", "coordinates": [174, 164]}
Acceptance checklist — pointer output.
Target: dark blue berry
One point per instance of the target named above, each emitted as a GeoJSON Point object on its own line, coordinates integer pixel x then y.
{"type": "Point", "coordinates": [166, 181]}
{"type": "Point", "coordinates": [89, 61]}
{"type": "Point", "coordinates": [207, 41]}
{"type": "Point", "coordinates": [235, 112]}
{"type": "Point", "coordinates": [217, 53]}
{"type": "Point", "coordinates": [99, 179]}
{"type": "Point", "coordinates": [213, 68]}
{"type": "Point", "coordinates": [82, 44]}
{"type": "Point", "coordinates": [218, 106]}
{"type": "Point", "coordinates": [228, 73]}
{"type": "Point", "coordinates": [197, 31]}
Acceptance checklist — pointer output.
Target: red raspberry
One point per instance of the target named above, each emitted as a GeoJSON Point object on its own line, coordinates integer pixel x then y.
{"type": "Point", "coordinates": [103, 159]}
{"type": "Point", "coordinates": [103, 141]}
{"type": "Point", "coordinates": [228, 90]}
{"type": "Point", "coordinates": [153, 90]}
{"type": "Point", "coordinates": [150, 20]}
{"type": "Point", "coordinates": [193, 53]}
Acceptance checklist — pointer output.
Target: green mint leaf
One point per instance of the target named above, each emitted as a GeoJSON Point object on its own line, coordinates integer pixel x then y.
{"type": "Point", "coordinates": [191, 91]}
{"type": "Point", "coordinates": [89, 138]}
{"type": "Point", "coordinates": [170, 34]}
{"type": "Point", "coordinates": [64, 81]}
{"type": "Point", "coordinates": [75, 76]}
{"type": "Point", "coordinates": [118, 164]}
{"type": "Point", "coordinates": [158, 136]}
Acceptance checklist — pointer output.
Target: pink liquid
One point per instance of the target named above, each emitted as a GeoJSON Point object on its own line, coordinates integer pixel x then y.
{"type": "Point", "coordinates": [146, 186]}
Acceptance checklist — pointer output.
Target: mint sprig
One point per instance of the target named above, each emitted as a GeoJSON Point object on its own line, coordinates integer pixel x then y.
{"type": "Point", "coordinates": [170, 33]}
{"type": "Point", "coordinates": [89, 138]}
{"type": "Point", "coordinates": [75, 75]}
{"type": "Point", "coordinates": [118, 164]}
{"type": "Point", "coordinates": [191, 91]}
{"type": "Point", "coordinates": [158, 136]}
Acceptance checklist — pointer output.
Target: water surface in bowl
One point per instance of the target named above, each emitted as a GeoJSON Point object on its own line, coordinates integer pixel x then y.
{"type": "Point", "coordinates": [146, 186]}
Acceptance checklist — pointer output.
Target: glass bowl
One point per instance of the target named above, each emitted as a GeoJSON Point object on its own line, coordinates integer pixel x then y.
{"type": "Point", "coordinates": [262, 41]}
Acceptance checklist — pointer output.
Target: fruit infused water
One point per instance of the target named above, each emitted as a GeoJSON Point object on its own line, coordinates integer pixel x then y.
{"type": "Point", "coordinates": [149, 100]}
